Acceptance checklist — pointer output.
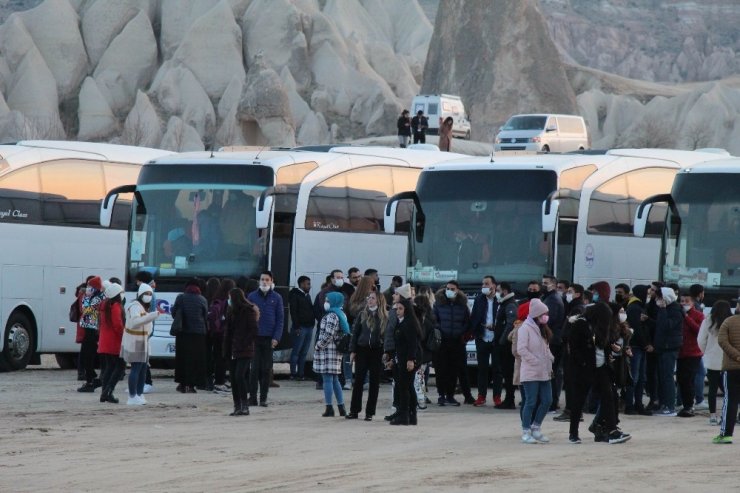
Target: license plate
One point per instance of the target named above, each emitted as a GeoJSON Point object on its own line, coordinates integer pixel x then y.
{"type": "Point", "coordinates": [171, 347]}
{"type": "Point", "coordinates": [472, 356]}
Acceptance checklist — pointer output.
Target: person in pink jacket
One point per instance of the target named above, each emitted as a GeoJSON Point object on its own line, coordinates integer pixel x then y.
{"type": "Point", "coordinates": [533, 346]}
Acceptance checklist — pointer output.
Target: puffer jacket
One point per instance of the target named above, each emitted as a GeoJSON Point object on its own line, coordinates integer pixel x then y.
{"type": "Point", "coordinates": [729, 341]}
{"type": "Point", "coordinates": [534, 351]}
{"type": "Point", "coordinates": [364, 336]}
{"type": "Point", "coordinates": [669, 328]}
{"type": "Point", "coordinates": [453, 317]}
{"type": "Point", "coordinates": [111, 328]}
{"type": "Point", "coordinates": [194, 313]}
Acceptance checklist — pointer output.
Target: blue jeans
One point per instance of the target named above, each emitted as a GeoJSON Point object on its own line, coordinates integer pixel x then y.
{"type": "Point", "coordinates": [136, 378]}
{"type": "Point", "coordinates": [301, 343]}
{"type": "Point", "coordinates": [699, 382]}
{"type": "Point", "coordinates": [638, 370]}
{"type": "Point", "coordinates": [533, 390]}
{"type": "Point", "coordinates": [347, 369]}
{"type": "Point", "coordinates": [666, 383]}
{"type": "Point", "coordinates": [331, 383]}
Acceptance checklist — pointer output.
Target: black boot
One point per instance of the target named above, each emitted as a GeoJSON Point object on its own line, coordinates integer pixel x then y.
{"type": "Point", "coordinates": [237, 408]}
{"type": "Point", "coordinates": [104, 394]}
{"type": "Point", "coordinates": [244, 409]}
{"type": "Point", "coordinates": [110, 398]}
{"type": "Point", "coordinates": [400, 419]}
{"type": "Point", "coordinates": [391, 417]}
{"type": "Point", "coordinates": [342, 411]}
{"type": "Point", "coordinates": [412, 419]}
{"type": "Point", "coordinates": [329, 413]}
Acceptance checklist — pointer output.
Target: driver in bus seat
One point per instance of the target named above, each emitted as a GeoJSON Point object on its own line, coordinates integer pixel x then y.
{"type": "Point", "coordinates": [472, 249]}
{"type": "Point", "coordinates": [179, 242]}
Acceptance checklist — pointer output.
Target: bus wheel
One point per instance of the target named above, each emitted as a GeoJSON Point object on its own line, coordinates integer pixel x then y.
{"type": "Point", "coordinates": [18, 343]}
{"type": "Point", "coordinates": [546, 148]}
{"type": "Point", "coordinates": [66, 361]}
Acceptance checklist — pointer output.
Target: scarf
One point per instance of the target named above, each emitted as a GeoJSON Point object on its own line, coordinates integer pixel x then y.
{"type": "Point", "coordinates": [335, 300]}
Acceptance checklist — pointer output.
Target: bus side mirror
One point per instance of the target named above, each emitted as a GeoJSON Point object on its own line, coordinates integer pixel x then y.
{"type": "Point", "coordinates": [389, 217]}
{"type": "Point", "coordinates": [641, 219]}
{"type": "Point", "coordinates": [262, 219]}
{"type": "Point", "coordinates": [106, 207]}
{"type": "Point", "coordinates": [421, 221]}
{"type": "Point", "coordinates": [550, 209]}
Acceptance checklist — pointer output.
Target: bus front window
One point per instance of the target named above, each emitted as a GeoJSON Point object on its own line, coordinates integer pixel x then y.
{"type": "Point", "coordinates": [182, 232]}
{"type": "Point", "coordinates": [702, 247]}
{"type": "Point", "coordinates": [482, 222]}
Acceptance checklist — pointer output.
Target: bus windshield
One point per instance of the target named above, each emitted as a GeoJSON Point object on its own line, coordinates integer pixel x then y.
{"type": "Point", "coordinates": [703, 246]}
{"type": "Point", "coordinates": [482, 222]}
{"type": "Point", "coordinates": [180, 231]}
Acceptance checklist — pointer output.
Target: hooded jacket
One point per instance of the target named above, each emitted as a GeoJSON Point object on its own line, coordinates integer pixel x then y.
{"type": "Point", "coordinates": [691, 324]}
{"type": "Point", "coordinates": [452, 316]}
{"type": "Point", "coordinates": [535, 353]}
{"type": "Point", "coordinates": [669, 324]}
{"type": "Point", "coordinates": [635, 308]}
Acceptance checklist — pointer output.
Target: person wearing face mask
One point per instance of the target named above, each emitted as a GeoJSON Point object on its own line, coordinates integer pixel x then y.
{"type": "Point", "coordinates": [135, 342]}
{"type": "Point", "coordinates": [556, 310]}
{"type": "Point", "coordinates": [270, 305]}
{"type": "Point", "coordinates": [327, 361]}
{"type": "Point", "coordinates": [574, 307]}
{"type": "Point", "coordinates": [453, 321]}
{"type": "Point", "coordinates": [697, 296]}
{"type": "Point", "coordinates": [600, 291]}
{"type": "Point", "coordinates": [482, 322]}
{"type": "Point", "coordinates": [535, 373]}
{"type": "Point", "coordinates": [621, 352]}
{"type": "Point", "coordinates": [504, 325]}
{"type": "Point", "coordinates": [729, 340]}
{"type": "Point", "coordinates": [668, 342]}
{"type": "Point", "coordinates": [406, 336]}
{"type": "Point", "coordinates": [90, 321]}
{"type": "Point", "coordinates": [648, 319]}
{"type": "Point", "coordinates": [622, 294]}
{"type": "Point", "coordinates": [301, 314]}
{"type": "Point", "coordinates": [240, 331]}
{"type": "Point", "coordinates": [638, 346]}
{"type": "Point", "coordinates": [190, 357]}
{"type": "Point", "coordinates": [689, 355]}
{"type": "Point", "coordinates": [562, 289]}
{"type": "Point", "coordinates": [109, 344]}
{"type": "Point", "coordinates": [403, 292]}
{"type": "Point", "coordinates": [366, 351]}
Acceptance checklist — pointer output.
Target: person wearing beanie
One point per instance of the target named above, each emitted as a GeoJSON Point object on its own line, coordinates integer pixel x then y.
{"type": "Point", "coordinates": [533, 346]}
{"type": "Point", "coordinates": [109, 344]}
{"type": "Point", "coordinates": [404, 291]}
{"type": "Point", "coordinates": [135, 342]}
{"type": "Point", "coordinates": [190, 342]}
{"type": "Point", "coordinates": [668, 341]}
{"type": "Point", "coordinates": [89, 322]}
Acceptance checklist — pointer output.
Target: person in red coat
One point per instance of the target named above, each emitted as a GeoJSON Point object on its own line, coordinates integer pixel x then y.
{"type": "Point", "coordinates": [689, 356]}
{"type": "Point", "coordinates": [109, 344]}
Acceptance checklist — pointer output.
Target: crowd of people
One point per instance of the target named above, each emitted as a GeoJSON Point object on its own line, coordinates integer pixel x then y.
{"type": "Point", "coordinates": [647, 351]}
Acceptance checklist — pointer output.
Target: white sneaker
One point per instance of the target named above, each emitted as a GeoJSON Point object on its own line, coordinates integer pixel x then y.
{"type": "Point", "coordinates": [528, 438]}
{"type": "Point", "coordinates": [148, 388]}
{"type": "Point", "coordinates": [713, 421]}
{"type": "Point", "coordinates": [702, 406]}
{"type": "Point", "coordinates": [141, 399]}
{"type": "Point", "coordinates": [537, 435]}
{"type": "Point", "coordinates": [134, 401]}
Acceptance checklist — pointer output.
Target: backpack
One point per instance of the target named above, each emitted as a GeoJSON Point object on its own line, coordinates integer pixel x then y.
{"type": "Point", "coordinates": [434, 340]}
{"type": "Point", "coordinates": [74, 311]}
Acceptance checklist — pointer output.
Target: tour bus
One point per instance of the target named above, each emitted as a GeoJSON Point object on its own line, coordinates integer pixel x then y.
{"type": "Point", "coordinates": [521, 217]}
{"type": "Point", "coordinates": [701, 228]}
{"type": "Point", "coordinates": [51, 240]}
{"type": "Point", "coordinates": [233, 214]}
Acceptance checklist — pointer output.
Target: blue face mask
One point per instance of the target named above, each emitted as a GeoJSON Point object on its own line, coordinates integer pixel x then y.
{"type": "Point", "coordinates": [596, 297]}
{"type": "Point", "coordinates": [228, 302]}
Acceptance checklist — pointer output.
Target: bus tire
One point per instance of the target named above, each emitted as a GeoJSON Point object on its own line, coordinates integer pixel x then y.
{"type": "Point", "coordinates": [19, 343]}
{"type": "Point", "coordinates": [66, 361]}
{"type": "Point", "coordinates": [546, 148]}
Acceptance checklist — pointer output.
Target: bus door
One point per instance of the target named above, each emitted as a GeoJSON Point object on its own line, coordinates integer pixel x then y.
{"type": "Point", "coordinates": [565, 253]}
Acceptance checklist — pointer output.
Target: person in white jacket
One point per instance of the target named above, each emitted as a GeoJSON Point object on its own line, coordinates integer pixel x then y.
{"type": "Point", "coordinates": [135, 344]}
{"type": "Point", "coordinates": [707, 340]}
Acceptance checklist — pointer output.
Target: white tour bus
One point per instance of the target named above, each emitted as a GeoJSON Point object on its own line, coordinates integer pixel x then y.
{"type": "Point", "coordinates": [521, 217]}
{"type": "Point", "coordinates": [233, 214]}
{"type": "Point", "coordinates": [701, 240]}
{"type": "Point", "coordinates": [51, 240]}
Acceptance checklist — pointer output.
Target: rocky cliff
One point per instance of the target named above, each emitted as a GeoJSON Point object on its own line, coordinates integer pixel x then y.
{"type": "Point", "coordinates": [184, 74]}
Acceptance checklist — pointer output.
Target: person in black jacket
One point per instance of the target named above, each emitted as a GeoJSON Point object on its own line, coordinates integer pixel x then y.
{"type": "Point", "coordinates": [505, 319]}
{"type": "Point", "coordinates": [638, 343]}
{"type": "Point", "coordinates": [238, 347]}
{"type": "Point", "coordinates": [419, 125]}
{"type": "Point", "coordinates": [482, 323]}
{"type": "Point", "coordinates": [366, 351]}
{"type": "Point", "coordinates": [668, 341]}
{"type": "Point", "coordinates": [406, 336]}
{"type": "Point", "coordinates": [453, 321]}
{"type": "Point", "coordinates": [556, 308]}
{"type": "Point", "coordinates": [581, 364]}
{"type": "Point", "coordinates": [404, 129]}
{"type": "Point", "coordinates": [190, 356]}
{"type": "Point", "coordinates": [302, 318]}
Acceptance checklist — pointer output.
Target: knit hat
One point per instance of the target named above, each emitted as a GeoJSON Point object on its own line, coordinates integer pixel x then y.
{"type": "Point", "coordinates": [404, 291]}
{"type": "Point", "coordinates": [96, 283]}
{"type": "Point", "coordinates": [144, 288]}
{"type": "Point", "coordinates": [112, 289]}
{"type": "Point", "coordinates": [669, 295]}
{"type": "Point", "coordinates": [537, 308]}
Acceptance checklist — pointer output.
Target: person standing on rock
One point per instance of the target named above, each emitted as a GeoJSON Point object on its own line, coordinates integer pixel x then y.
{"type": "Point", "coordinates": [445, 134]}
{"type": "Point", "coordinates": [404, 129]}
{"type": "Point", "coordinates": [420, 124]}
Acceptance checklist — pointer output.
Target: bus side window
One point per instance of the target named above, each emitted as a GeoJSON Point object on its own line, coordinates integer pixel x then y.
{"type": "Point", "coordinates": [72, 191]}
{"type": "Point", "coordinates": [20, 197]}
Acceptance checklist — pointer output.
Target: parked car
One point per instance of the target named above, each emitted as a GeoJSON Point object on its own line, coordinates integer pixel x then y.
{"type": "Point", "coordinates": [543, 133]}
{"type": "Point", "coordinates": [436, 106]}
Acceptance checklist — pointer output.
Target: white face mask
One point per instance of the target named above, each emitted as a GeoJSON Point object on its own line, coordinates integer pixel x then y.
{"type": "Point", "coordinates": [622, 318]}
{"type": "Point", "coordinates": [569, 297]}
{"type": "Point", "coordinates": [264, 288]}
{"type": "Point", "coordinates": [338, 282]}
{"type": "Point", "coordinates": [326, 306]}
{"type": "Point", "coordinates": [499, 296]}
{"type": "Point", "coordinates": [146, 298]}
{"type": "Point", "coordinates": [647, 300]}
{"type": "Point", "coordinates": [372, 308]}
{"type": "Point", "coordinates": [486, 291]}
{"type": "Point", "coordinates": [89, 291]}
{"type": "Point", "coordinates": [686, 308]}
{"type": "Point", "coordinates": [449, 293]}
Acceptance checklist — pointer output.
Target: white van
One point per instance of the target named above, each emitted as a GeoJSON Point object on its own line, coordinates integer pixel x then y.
{"type": "Point", "coordinates": [436, 106]}
{"type": "Point", "coordinates": [543, 133]}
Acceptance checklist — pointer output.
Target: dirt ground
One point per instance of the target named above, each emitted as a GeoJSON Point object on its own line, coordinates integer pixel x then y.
{"type": "Point", "coordinates": [53, 438]}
